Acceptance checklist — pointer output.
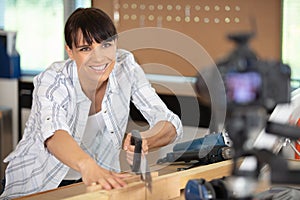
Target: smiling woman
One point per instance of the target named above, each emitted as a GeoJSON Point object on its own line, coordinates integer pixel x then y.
{"type": "Point", "coordinates": [80, 110]}
{"type": "Point", "coordinates": [39, 25]}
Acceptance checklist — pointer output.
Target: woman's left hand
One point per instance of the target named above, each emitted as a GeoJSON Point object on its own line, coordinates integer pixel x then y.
{"type": "Point", "coordinates": [130, 148]}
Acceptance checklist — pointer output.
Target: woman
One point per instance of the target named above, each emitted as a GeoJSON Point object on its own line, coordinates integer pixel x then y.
{"type": "Point", "coordinates": [80, 112]}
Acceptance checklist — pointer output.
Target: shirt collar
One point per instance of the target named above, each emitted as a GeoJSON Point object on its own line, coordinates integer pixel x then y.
{"type": "Point", "coordinates": [113, 83]}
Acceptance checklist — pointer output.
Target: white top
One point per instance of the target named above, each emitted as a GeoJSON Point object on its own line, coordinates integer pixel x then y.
{"type": "Point", "coordinates": [94, 128]}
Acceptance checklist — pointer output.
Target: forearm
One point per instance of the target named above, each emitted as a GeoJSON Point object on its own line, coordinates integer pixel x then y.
{"type": "Point", "coordinates": [65, 148]}
{"type": "Point", "coordinates": [163, 133]}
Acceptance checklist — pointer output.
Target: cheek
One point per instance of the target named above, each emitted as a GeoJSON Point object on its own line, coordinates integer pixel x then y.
{"type": "Point", "coordinates": [111, 54]}
{"type": "Point", "coordinates": [81, 61]}
{"type": "Point", "coordinates": [105, 76]}
{"type": "Point", "coordinates": [110, 68]}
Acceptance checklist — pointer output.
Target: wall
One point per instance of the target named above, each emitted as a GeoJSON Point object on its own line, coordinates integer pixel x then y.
{"type": "Point", "coordinates": [9, 98]}
{"type": "Point", "coordinates": [205, 21]}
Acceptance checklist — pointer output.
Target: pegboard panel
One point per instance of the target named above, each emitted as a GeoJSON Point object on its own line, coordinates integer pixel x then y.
{"type": "Point", "coordinates": [206, 21]}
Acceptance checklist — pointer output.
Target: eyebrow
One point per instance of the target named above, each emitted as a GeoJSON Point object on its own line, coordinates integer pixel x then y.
{"type": "Point", "coordinates": [108, 40]}
{"type": "Point", "coordinates": [81, 46]}
{"type": "Point", "coordinates": [87, 45]}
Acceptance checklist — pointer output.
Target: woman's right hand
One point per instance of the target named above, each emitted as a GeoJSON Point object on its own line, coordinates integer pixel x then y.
{"type": "Point", "coordinates": [94, 175]}
{"type": "Point", "coordinates": [65, 148]}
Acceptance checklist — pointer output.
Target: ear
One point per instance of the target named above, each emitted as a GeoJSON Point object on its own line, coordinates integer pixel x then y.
{"type": "Point", "coordinates": [69, 52]}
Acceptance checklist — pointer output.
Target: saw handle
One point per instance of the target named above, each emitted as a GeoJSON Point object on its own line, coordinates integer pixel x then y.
{"type": "Point", "coordinates": [136, 140]}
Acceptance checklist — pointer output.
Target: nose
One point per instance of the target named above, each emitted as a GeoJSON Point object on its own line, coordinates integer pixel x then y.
{"type": "Point", "coordinates": [97, 55]}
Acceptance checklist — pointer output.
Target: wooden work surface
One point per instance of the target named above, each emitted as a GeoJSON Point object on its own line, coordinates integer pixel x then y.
{"type": "Point", "coordinates": [168, 184]}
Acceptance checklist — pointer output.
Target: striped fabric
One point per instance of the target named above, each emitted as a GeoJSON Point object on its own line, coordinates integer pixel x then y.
{"type": "Point", "coordinates": [59, 103]}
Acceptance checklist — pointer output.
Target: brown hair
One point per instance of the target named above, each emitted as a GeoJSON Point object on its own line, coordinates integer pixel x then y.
{"type": "Point", "coordinates": [94, 24]}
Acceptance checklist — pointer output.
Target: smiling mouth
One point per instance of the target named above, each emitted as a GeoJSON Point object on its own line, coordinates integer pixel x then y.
{"type": "Point", "coordinates": [99, 67]}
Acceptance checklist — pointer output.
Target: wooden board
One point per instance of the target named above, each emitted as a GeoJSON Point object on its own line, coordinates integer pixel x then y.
{"type": "Point", "coordinates": [167, 186]}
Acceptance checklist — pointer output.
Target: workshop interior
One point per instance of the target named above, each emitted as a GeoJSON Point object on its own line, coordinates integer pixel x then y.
{"type": "Point", "coordinates": [230, 70]}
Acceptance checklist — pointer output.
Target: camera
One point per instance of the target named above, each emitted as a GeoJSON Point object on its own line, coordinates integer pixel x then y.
{"type": "Point", "coordinates": [250, 81]}
{"type": "Point", "coordinates": [253, 87]}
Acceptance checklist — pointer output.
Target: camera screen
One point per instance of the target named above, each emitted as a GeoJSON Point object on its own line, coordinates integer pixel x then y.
{"type": "Point", "coordinates": [243, 87]}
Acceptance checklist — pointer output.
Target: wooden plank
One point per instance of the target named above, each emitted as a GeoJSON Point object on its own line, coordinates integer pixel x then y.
{"type": "Point", "coordinates": [59, 193]}
{"type": "Point", "coordinates": [167, 186]}
{"type": "Point", "coordinates": [164, 187]}
{"type": "Point", "coordinates": [207, 172]}
{"type": "Point", "coordinates": [72, 190]}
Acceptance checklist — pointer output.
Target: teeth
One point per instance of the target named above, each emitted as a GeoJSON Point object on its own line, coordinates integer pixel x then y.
{"type": "Point", "coordinates": [99, 68]}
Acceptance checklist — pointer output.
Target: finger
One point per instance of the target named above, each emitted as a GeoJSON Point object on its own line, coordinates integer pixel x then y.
{"type": "Point", "coordinates": [130, 154]}
{"type": "Point", "coordinates": [121, 182]}
{"type": "Point", "coordinates": [122, 175]}
{"type": "Point", "coordinates": [127, 141]}
{"type": "Point", "coordinates": [116, 182]}
{"type": "Point", "coordinates": [130, 148]}
{"type": "Point", "coordinates": [129, 158]}
{"type": "Point", "coordinates": [93, 187]}
{"type": "Point", "coordinates": [106, 185]}
{"type": "Point", "coordinates": [145, 147]}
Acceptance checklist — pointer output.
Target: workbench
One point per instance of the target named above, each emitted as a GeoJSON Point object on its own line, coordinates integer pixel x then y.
{"type": "Point", "coordinates": [168, 183]}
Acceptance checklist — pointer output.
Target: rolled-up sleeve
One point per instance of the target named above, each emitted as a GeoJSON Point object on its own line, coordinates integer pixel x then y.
{"type": "Point", "coordinates": [50, 98]}
{"type": "Point", "coordinates": [149, 103]}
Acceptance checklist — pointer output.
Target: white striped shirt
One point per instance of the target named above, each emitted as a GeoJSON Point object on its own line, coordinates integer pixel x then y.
{"type": "Point", "coordinates": [59, 103]}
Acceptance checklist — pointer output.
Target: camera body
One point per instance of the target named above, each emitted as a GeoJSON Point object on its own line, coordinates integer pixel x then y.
{"type": "Point", "coordinates": [253, 87]}
{"type": "Point", "coordinates": [250, 81]}
{"type": "Point", "coordinates": [262, 83]}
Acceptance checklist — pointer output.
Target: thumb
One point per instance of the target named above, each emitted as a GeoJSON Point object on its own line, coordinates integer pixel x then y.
{"type": "Point", "coordinates": [145, 146]}
{"type": "Point", "coordinates": [127, 142]}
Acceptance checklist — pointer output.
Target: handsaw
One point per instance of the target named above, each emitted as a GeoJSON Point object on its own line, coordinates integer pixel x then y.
{"type": "Point", "coordinates": [140, 164]}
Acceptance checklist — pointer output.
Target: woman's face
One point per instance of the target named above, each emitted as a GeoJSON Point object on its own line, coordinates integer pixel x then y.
{"type": "Point", "coordinates": [94, 62]}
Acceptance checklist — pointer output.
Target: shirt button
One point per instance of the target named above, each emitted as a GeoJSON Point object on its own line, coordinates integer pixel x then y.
{"type": "Point", "coordinates": [111, 132]}
{"type": "Point", "coordinates": [105, 111]}
{"type": "Point", "coordinates": [48, 127]}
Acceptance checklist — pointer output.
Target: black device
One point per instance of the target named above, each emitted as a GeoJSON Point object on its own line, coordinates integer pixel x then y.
{"type": "Point", "coordinates": [253, 88]}
{"type": "Point", "coordinates": [140, 164]}
{"type": "Point", "coordinates": [136, 140]}
{"type": "Point", "coordinates": [212, 148]}
{"type": "Point", "coordinates": [200, 189]}
{"type": "Point", "coordinates": [251, 81]}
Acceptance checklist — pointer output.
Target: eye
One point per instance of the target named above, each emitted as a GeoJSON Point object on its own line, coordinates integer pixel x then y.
{"type": "Point", "coordinates": [85, 49]}
{"type": "Point", "coordinates": [106, 44]}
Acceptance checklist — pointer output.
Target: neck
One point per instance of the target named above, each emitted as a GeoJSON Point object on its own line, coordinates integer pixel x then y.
{"type": "Point", "coordinates": [96, 96]}
{"type": "Point", "coordinates": [91, 91]}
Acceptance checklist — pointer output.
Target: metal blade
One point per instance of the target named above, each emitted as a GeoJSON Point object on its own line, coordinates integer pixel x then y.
{"type": "Point", "coordinates": [140, 164]}
{"type": "Point", "coordinates": [145, 173]}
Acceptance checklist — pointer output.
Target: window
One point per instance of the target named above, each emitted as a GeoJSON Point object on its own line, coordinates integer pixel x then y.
{"type": "Point", "coordinates": [39, 25]}
{"type": "Point", "coordinates": [291, 37]}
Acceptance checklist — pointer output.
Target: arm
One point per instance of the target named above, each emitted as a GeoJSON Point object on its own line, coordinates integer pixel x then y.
{"type": "Point", "coordinates": [165, 125]}
{"type": "Point", "coordinates": [64, 148]}
{"type": "Point", "coordinates": [161, 134]}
